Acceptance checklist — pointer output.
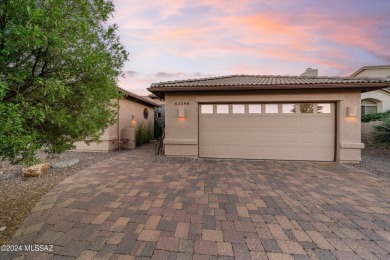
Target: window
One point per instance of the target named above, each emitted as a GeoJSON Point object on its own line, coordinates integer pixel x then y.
{"type": "Point", "coordinates": [238, 109]}
{"type": "Point", "coordinates": [323, 108]}
{"type": "Point", "coordinates": [369, 106]}
{"type": "Point", "coordinates": [288, 108]}
{"type": "Point", "coordinates": [159, 115]}
{"type": "Point", "coordinates": [371, 110]}
{"type": "Point", "coordinates": [271, 109]}
{"type": "Point", "coordinates": [222, 109]}
{"type": "Point", "coordinates": [306, 108]}
{"type": "Point", "coordinates": [206, 109]}
{"type": "Point", "coordinates": [255, 109]}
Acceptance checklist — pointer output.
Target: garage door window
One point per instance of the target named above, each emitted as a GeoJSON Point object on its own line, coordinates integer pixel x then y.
{"type": "Point", "coordinates": [288, 108]}
{"type": "Point", "coordinates": [271, 109]}
{"type": "Point", "coordinates": [323, 108]}
{"type": "Point", "coordinates": [206, 109]}
{"type": "Point", "coordinates": [238, 109]}
{"type": "Point", "coordinates": [222, 109]}
{"type": "Point", "coordinates": [255, 109]}
{"type": "Point", "coordinates": [307, 108]}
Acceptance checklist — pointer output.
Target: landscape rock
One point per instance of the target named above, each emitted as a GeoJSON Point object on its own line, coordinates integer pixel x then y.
{"type": "Point", "coordinates": [64, 164]}
{"type": "Point", "coordinates": [36, 170]}
{"type": "Point", "coordinates": [3, 228]}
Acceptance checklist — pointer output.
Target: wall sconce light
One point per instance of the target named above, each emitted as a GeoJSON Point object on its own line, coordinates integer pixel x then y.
{"type": "Point", "coordinates": [181, 112]}
{"type": "Point", "coordinates": [132, 117]}
{"type": "Point", "coordinates": [351, 111]}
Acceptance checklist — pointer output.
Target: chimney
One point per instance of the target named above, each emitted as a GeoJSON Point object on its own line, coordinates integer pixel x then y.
{"type": "Point", "coordinates": [310, 72]}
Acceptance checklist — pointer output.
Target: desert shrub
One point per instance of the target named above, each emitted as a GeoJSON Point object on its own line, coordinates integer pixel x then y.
{"type": "Point", "coordinates": [144, 133]}
{"type": "Point", "coordinates": [380, 135]}
{"type": "Point", "coordinates": [375, 117]}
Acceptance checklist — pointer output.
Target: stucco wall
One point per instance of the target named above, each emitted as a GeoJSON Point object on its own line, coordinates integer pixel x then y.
{"type": "Point", "coordinates": [377, 72]}
{"type": "Point", "coordinates": [181, 134]}
{"type": "Point", "coordinates": [381, 97]}
{"type": "Point", "coordinates": [126, 109]}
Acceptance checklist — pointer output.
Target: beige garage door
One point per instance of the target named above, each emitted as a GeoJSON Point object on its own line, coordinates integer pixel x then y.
{"type": "Point", "coordinates": [296, 131]}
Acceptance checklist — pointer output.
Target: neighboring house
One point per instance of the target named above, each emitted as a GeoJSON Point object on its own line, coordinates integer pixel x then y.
{"type": "Point", "coordinates": [379, 100]}
{"type": "Point", "coordinates": [265, 117]}
{"type": "Point", "coordinates": [130, 114]}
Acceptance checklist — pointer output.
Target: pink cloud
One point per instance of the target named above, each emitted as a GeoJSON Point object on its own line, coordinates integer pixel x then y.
{"type": "Point", "coordinates": [234, 38]}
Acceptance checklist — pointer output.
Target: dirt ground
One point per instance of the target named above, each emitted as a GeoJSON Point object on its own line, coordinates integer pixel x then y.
{"type": "Point", "coordinates": [18, 195]}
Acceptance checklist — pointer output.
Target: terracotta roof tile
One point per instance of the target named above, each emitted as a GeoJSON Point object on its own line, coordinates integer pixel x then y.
{"type": "Point", "coordinates": [265, 80]}
{"type": "Point", "coordinates": [136, 97]}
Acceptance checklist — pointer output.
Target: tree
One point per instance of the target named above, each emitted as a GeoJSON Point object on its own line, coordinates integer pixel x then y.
{"type": "Point", "coordinates": [59, 63]}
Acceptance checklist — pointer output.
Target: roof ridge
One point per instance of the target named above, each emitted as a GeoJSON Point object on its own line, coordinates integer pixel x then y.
{"type": "Point", "coordinates": [193, 80]}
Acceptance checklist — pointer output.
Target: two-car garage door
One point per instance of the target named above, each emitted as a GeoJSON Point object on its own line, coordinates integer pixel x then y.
{"type": "Point", "coordinates": [288, 131]}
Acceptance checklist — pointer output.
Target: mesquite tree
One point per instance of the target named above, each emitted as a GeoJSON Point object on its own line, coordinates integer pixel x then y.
{"type": "Point", "coordinates": [59, 63]}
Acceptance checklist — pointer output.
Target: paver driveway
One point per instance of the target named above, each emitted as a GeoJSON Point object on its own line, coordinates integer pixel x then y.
{"type": "Point", "coordinates": [134, 206]}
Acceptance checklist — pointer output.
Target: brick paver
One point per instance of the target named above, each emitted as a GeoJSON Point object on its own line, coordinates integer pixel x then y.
{"type": "Point", "coordinates": [134, 206]}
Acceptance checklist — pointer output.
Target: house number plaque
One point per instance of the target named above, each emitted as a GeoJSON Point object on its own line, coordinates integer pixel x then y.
{"type": "Point", "coordinates": [182, 103]}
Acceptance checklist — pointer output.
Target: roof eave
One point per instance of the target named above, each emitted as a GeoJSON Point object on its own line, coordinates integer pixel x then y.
{"type": "Point", "coordinates": [369, 68]}
{"type": "Point", "coordinates": [139, 99]}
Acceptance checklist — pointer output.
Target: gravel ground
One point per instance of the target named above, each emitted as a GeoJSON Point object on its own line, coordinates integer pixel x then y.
{"type": "Point", "coordinates": [374, 159]}
{"type": "Point", "coordinates": [18, 195]}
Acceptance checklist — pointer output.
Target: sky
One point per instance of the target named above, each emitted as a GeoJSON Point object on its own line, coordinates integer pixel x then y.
{"type": "Point", "coordinates": [184, 39]}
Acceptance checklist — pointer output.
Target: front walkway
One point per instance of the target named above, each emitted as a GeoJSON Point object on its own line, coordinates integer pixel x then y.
{"type": "Point", "coordinates": [137, 206]}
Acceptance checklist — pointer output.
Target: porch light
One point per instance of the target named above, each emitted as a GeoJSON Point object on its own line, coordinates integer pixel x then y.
{"type": "Point", "coordinates": [181, 112]}
{"type": "Point", "coordinates": [351, 111]}
{"type": "Point", "coordinates": [132, 117]}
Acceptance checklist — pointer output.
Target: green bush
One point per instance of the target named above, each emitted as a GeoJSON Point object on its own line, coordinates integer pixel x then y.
{"type": "Point", "coordinates": [380, 135]}
{"type": "Point", "coordinates": [144, 133]}
{"type": "Point", "coordinates": [375, 117]}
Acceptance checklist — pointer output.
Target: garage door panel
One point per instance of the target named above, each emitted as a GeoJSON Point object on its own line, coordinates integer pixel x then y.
{"type": "Point", "coordinates": [254, 122]}
{"type": "Point", "coordinates": [222, 150]}
{"type": "Point", "coordinates": [206, 137]}
{"type": "Point", "coordinates": [323, 123]}
{"type": "Point", "coordinates": [272, 122]}
{"type": "Point", "coordinates": [206, 150]}
{"type": "Point", "coordinates": [255, 137]}
{"type": "Point", "coordinates": [291, 136]}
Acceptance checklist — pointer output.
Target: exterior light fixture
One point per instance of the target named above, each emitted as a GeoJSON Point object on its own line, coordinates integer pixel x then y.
{"type": "Point", "coordinates": [132, 117]}
{"type": "Point", "coordinates": [351, 111]}
{"type": "Point", "coordinates": [181, 112]}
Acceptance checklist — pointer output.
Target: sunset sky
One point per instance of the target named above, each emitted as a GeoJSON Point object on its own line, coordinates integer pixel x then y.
{"type": "Point", "coordinates": [183, 39]}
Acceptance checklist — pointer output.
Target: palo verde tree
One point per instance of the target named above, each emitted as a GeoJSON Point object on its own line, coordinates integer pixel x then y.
{"type": "Point", "coordinates": [59, 63]}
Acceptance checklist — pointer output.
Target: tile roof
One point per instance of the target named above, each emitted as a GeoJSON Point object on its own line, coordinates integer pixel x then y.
{"type": "Point", "coordinates": [139, 98]}
{"type": "Point", "coordinates": [265, 80]}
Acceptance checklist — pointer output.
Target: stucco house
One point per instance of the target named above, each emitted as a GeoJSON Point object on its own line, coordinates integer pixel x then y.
{"type": "Point", "coordinates": [379, 100]}
{"type": "Point", "coordinates": [131, 114]}
{"type": "Point", "coordinates": [265, 117]}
